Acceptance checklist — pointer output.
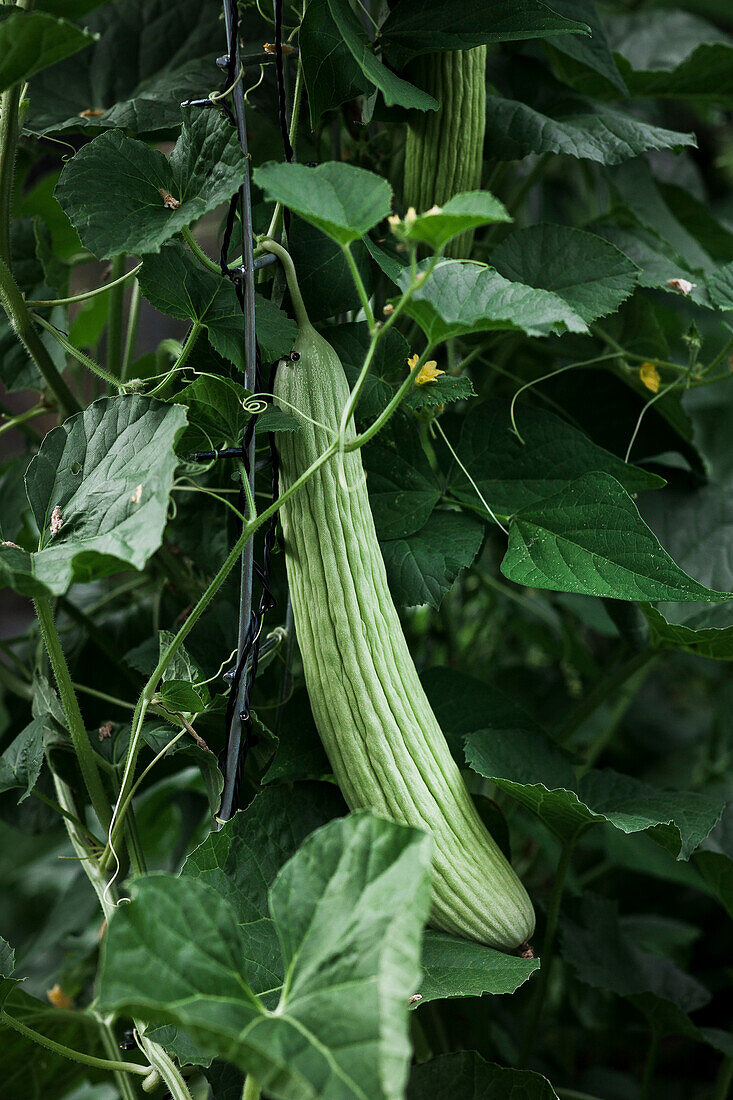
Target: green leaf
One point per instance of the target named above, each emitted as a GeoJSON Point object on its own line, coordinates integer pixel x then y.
{"type": "Point", "coordinates": [466, 1076]}
{"type": "Point", "coordinates": [636, 187]}
{"type": "Point", "coordinates": [467, 210]}
{"type": "Point", "coordinates": [708, 633]}
{"type": "Point", "coordinates": [440, 391]}
{"type": "Point", "coordinates": [348, 907]}
{"type": "Point", "coordinates": [456, 968]}
{"type": "Point", "coordinates": [299, 754]}
{"type": "Point", "coordinates": [332, 76]}
{"type": "Point", "coordinates": [423, 566]}
{"type": "Point", "coordinates": [720, 286]}
{"type": "Point", "coordinates": [28, 1070]}
{"type": "Point", "coordinates": [394, 89]}
{"type": "Point", "coordinates": [697, 528]}
{"type": "Point", "coordinates": [512, 475]}
{"type": "Point", "coordinates": [423, 26]}
{"type": "Point", "coordinates": [656, 260]}
{"type": "Point", "coordinates": [105, 476]}
{"type": "Point", "coordinates": [674, 54]}
{"type": "Point", "coordinates": [175, 283]}
{"type": "Point", "coordinates": [147, 58]}
{"type": "Point", "coordinates": [217, 415]}
{"type": "Point", "coordinates": [585, 62]}
{"type": "Point", "coordinates": [604, 957]}
{"type": "Point", "coordinates": [537, 773]}
{"type": "Point", "coordinates": [323, 273]}
{"type": "Point", "coordinates": [591, 275]}
{"type": "Point", "coordinates": [340, 199]}
{"type": "Point", "coordinates": [22, 760]}
{"type": "Point", "coordinates": [7, 959]}
{"type": "Point", "coordinates": [31, 41]}
{"type": "Point", "coordinates": [241, 861]}
{"type": "Point", "coordinates": [460, 297]}
{"type": "Point", "coordinates": [590, 538]}
{"type": "Point", "coordinates": [515, 130]}
{"type": "Point", "coordinates": [403, 490]}
{"type": "Point", "coordinates": [351, 342]}
{"type": "Point", "coordinates": [115, 189]}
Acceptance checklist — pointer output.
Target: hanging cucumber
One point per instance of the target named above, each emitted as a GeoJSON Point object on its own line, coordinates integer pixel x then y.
{"type": "Point", "coordinates": [381, 736]}
{"type": "Point", "coordinates": [444, 148]}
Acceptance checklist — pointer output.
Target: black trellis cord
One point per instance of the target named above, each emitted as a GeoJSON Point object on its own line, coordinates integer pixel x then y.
{"type": "Point", "coordinates": [252, 641]}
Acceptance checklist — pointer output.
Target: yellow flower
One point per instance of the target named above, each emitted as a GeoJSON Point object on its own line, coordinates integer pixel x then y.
{"type": "Point", "coordinates": [650, 376]}
{"type": "Point", "coordinates": [428, 371]}
{"type": "Point", "coordinates": [433, 210]}
{"type": "Point", "coordinates": [58, 998]}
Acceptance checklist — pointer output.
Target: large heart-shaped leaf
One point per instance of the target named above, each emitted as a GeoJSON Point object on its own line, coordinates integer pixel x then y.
{"type": "Point", "coordinates": [593, 276]}
{"type": "Point", "coordinates": [123, 196]}
{"type": "Point", "coordinates": [99, 489]}
{"type": "Point", "coordinates": [590, 538]}
{"type": "Point", "coordinates": [31, 41]}
{"type": "Point", "coordinates": [340, 199]}
{"type": "Point", "coordinates": [348, 909]}
{"type": "Point", "coordinates": [460, 297]}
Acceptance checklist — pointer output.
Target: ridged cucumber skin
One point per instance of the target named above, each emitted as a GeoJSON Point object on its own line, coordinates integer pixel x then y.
{"type": "Point", "coordinates": [444, 148]}
{"type": "Point", "coordinates": [382, 739]}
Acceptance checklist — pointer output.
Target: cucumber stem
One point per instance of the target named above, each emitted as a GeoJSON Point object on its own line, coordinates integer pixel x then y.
{"type": "Point", "coordinates": [301, 314]}
{"type": "Point", "coordinates": [553, 912]}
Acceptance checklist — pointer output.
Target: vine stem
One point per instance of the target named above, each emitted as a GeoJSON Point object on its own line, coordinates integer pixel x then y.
{"type": "Point", "coordinates": [107, 899]}
{"type": "Point", "coordinates": [650, 1065]}
{"type": "Point", "coordinates": [124, 1084]}
{"type": "Point", "coordinates": [133, 321]}
{"type": "Point", "coordinates": [21, 323]}
{"type": "Point", "coordinates": [67, 1052]}
{"type": "Point", "coordinates": [251, 1090]}
{"type": "Point", "coordinates": [83, 297]}
{"type": "Point", "coordinates": [617, 676]}
{"type": "Point", "coordinates": [9, 129]}
{"type": "Point", "coordinates": [21, 418]}
{"type": "Point", "coordinates": [115, 311]}
{"type": "Point", "coordinates": [82, 746]}
{"type": "Point", "coordinates": [76, 353]}
{"type": "Point", "coordinates": [553, 912]}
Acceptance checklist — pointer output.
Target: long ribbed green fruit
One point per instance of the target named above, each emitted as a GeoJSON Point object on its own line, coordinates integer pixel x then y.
{"type": "Point", "coordinates": [444, 148]}
{"type": "Point", "coordinates": [381, 736]}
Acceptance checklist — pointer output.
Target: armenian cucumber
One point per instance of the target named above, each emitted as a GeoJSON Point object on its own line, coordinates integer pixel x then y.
{"type": "Point", "coordinates": [379, 732]}
{"type": "Point", "coordinates": [444, 148]}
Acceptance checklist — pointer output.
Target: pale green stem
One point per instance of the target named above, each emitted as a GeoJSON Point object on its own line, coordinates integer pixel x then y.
{"type": "Point", "coordinates": [546, 957]}
{"type": "Point", "coordinates": [360, 288]}
{"type": "Point", "coordinates": [21, 418]}
{"type": "Point", "coordinates": [82, 746]}
{"type": "Point", "coordinates": [301, 314]}
{"type": "Point", "coordinates": [133, 321]}
{"type": "Point", "coordinates": [198, 251]}
{"type": "Point", "coordinates": [115, 318]}
{"type": "Point", "coordinates": [107, 897]}
{"type": "Point", "coordinates": [650, 1065]}
{"type": "Point", "coordinates": [182, 359]}
{"type": "Point", "coordinates": [75, 353]}
{"type": "Point", "coordinates": [9, 131]}
{"type": "Point", "coordinates": [73, 1055]}
{"type": "Point", "coordinates": [251, 1090]}
{"type": "Point", "coordinates": [37, 304]}
{"type": "Point", "coordinates": [124, 1084]}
